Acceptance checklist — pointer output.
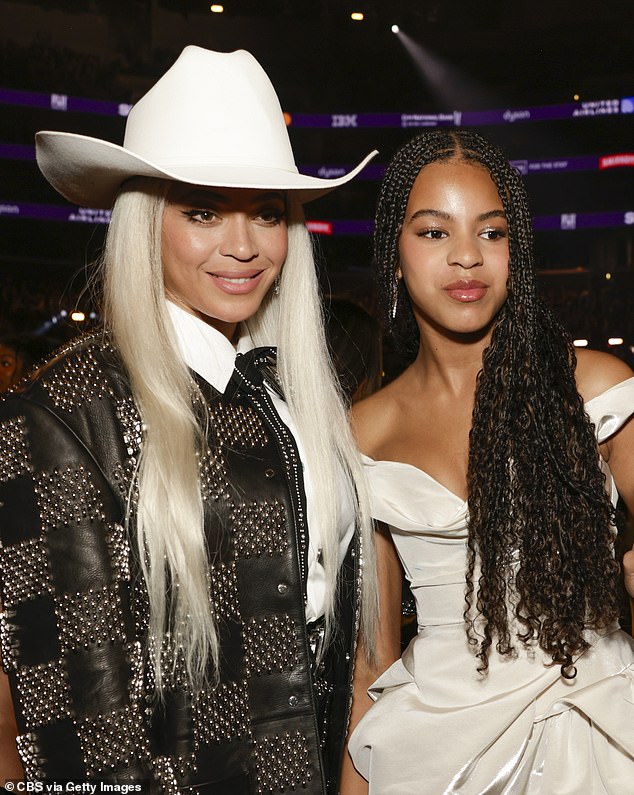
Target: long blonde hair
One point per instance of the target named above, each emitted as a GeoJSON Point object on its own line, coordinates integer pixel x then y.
{"type": "Point", "coordinates": [169, 512]}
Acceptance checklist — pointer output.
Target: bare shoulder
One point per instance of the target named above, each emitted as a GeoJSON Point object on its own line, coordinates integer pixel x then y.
{"type": "Point", "coordinates": [374, 418]}
{"type": "Point", "coordinates": [597, 371]}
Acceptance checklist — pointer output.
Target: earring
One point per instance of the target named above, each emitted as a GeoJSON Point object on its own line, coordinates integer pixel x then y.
{"type": "Point", "coordinates": [276, 286]}
{"type": "Point", "coordinates": [395, 286]}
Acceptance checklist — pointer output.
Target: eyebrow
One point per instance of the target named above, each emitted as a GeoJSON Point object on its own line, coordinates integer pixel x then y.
{"type": "Point", "coordinates": [448, 217]}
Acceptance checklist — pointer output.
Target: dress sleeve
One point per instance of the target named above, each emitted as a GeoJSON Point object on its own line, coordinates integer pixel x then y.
{"type": "Point", "coordinates": [611, 410]}
{"type": "Point", "coordinates": [68, 637]}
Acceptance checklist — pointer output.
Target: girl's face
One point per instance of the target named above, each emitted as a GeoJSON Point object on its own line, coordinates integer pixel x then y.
{"type": "Point", "coordinates": [222, 249]}
{"type": "Point", "coordinates": [454, 253]}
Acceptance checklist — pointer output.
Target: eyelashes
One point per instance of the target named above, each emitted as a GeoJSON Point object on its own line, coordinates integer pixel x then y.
{"type": "Point", "coordinates": [267, 217]}
{"type": "Point", "coordinates": [440, 234]}
{"type": "Point", "coordinates": [497, 234]}
{"type": "Point", "coordinates": [198, 216]}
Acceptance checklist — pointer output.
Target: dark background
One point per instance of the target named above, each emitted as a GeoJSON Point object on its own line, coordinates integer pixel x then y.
{"type": "Point", "coordinates": [493, 55]}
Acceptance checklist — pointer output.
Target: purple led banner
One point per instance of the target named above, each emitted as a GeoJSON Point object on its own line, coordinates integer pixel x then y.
{"type": "Point", "coordinates": [344, 121]}
{"type": "Point", "coordinates": [33, 99]}
{"type": "Point", "coordinates": [457, 118]}
{"type": "Point", "coordinates": [372, 172]}
{"type": "Point", "coordinates": [570, 222]}
{"type": "Point", "coordinates": [62, 102]}
{"type": "Point", "coordinates": [17, 152]}
{"type": "Point", "coordinates": [585, 163]}
{"type": "Point", "coordinates": [571, 110]}
{"type": "Point", "coordinates": [53, 212]}
{"type": "Point", "coordinates": [375, 171]}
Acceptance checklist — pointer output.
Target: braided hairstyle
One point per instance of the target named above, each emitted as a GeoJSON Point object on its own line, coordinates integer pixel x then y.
{"type": "Point", "coordinates": [540, 566]}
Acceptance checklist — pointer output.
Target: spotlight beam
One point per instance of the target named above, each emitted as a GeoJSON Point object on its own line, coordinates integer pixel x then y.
{"type": "Point", "coordinates": [449, 85]}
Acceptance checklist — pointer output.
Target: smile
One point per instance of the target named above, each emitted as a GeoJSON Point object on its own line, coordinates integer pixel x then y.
{"type": "Point", "coordinates": [241, 280]}
{"type": "Point", "coordinates": [237, 284]}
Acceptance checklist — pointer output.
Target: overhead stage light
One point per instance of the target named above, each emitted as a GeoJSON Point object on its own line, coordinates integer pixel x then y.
{"type": "Point", "coordinates": [357, 16]}
{"type": "Point", "coordinates": [451, 86]}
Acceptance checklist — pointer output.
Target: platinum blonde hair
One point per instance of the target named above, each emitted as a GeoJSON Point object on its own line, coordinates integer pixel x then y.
{"type": "Point", "coordinates": [169, 509]}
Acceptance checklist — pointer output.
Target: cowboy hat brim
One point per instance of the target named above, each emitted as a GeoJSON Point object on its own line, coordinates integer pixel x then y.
{"type": "Point", "coordinates": [89, 171]}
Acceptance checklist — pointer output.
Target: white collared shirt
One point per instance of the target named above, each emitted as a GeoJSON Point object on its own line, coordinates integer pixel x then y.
{"type": "Point", "coordinates": [210, 354]}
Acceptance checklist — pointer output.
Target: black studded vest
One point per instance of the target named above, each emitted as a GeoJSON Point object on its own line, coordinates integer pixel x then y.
{"type": "Point", "coordinates": [74, 628]}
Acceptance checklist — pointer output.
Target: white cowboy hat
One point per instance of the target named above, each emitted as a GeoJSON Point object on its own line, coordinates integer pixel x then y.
{"type": "Point", "coordinates": [212, 119]}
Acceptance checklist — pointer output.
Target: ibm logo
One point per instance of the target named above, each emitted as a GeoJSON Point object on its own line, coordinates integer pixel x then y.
{"type": "Point", "coordinates": [342, 120]}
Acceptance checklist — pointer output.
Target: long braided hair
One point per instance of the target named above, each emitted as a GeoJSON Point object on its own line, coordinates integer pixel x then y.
{"type": "Point", "coordinates": [540, 522]}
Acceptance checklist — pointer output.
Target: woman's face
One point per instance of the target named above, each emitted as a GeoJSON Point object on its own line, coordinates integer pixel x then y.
{"type": "Point", "coordinates": [222, 249]}
{"type": "Point", "coordinates": [454, 253]}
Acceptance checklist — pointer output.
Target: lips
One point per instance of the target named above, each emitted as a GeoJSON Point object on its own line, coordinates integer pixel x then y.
{"type": "Point", "coordinates": [237, 282]}
{"type": "Point", "coordinates": [466, 290]}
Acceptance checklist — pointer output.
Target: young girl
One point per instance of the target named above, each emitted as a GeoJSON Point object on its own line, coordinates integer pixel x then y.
{"type": "Point", "coordinates": [494, 459]}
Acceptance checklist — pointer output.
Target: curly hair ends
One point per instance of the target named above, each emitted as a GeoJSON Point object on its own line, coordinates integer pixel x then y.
{"type": "Point", "coordinates": [540, 566]}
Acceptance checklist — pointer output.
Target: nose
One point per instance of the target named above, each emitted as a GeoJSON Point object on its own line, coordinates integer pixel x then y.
{"type": "Point", "coordinates": [238, 240]}
{"type": "Point", "coordinates": [465, 253]}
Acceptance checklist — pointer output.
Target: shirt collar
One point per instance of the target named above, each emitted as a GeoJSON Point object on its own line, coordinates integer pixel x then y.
{"type": "Point", "coordinates": [205, 349]}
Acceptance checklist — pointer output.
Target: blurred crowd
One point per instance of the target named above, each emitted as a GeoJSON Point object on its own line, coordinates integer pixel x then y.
{"type": "Point", "coordinates": [35, 319]}
{"type": "Point", "coordinates": [597, 313]}
{"type": "Point", "coordinates": [53, 68]}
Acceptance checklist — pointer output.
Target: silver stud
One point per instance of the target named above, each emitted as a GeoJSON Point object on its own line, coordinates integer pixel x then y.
{"type": "Point", "coordinates": [270, 645]}
{"type": "Point", "coordinates": [15, 459]}
{"type": "Point", "coordinates": [77, 379]}
{"type": "Point", "coordinates": [260, 528]}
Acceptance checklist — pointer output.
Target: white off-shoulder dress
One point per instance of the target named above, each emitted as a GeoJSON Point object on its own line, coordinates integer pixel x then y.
{"type": "Point", "coordinates": [437, 725]}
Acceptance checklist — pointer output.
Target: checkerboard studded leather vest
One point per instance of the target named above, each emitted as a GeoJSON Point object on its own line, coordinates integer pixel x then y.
{"type": "Point", "coordinates": [74, 622]}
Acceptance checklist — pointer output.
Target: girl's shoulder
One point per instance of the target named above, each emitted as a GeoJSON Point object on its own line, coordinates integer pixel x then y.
{"type": "Point", "coordinates": [375, 417]}
{"type": "Point", "coordinates": [597, 371]}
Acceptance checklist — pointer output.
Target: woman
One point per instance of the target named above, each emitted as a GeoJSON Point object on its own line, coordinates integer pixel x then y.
{"type": "Point", "coordinates": [494, 460]}
{"type": "Point", "coordinates": [182, 521]}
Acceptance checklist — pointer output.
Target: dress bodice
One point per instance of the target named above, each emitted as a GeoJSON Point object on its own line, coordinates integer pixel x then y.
{"type": "Point", "coordinates": [428, 521]}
